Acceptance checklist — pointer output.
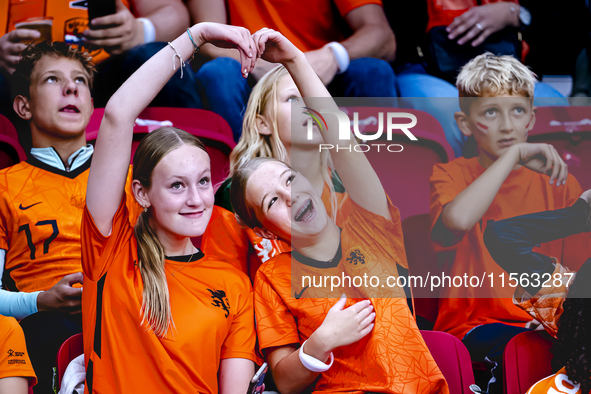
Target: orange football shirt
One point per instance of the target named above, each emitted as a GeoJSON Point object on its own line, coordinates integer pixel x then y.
{"type": "Point", "coordinates": [212, 309]}
{"type": "Point", "coordinates": [40, 214]}
{"type": "Point", "coordinates": [523, 192]}
{"type": "Point", "coordinates": [393, 358]}
{"type": "Point", "coordinates": [307, 24]}
{"type": "Point", "coordinates": [14, 359]}
{"type": "Point", "coordinates": [555, 384]}
{"type": "Point", "coordinates": [69, 19]}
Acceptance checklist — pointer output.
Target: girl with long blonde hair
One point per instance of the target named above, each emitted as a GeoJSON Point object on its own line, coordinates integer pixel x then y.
{"type": "Point", "coordinates": [269, 131]}
{"type": "Point", "coordinates": [160, 316]}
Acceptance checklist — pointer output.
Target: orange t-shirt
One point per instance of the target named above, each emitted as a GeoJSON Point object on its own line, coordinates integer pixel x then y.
{"type": "Point", "coordinates": [393, 358]}
{"type": "Point", "coordinates": [523, 192]}
{"type": "Point", "coordinates": [212, 309]}
{"type": "Point", "coordinates": [241, 247]}
{"type": "Point", "coordinates": [14, 360]}
{"type": "Point", "coordinates": [443, 12]}
{"type": "Point", "coordinates": [69, 19]}
{"type": "Point", "coordinates": [555, 384]}
{"type": "Point", "coordinates": [40, 214]}
{"type": "Point", "coordinates": [308, 24]}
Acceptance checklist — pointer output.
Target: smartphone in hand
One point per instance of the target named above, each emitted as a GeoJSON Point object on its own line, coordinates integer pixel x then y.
{"type": "Point", "coordinates": [98, 8]}
{"type": "Point", "coordinates": [256, 385]}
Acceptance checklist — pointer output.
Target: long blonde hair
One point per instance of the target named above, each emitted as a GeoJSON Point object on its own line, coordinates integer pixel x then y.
{"type": "Point", "coordinates": [253, 144]}
{"type": "Point", "coordinates": [156, 310]}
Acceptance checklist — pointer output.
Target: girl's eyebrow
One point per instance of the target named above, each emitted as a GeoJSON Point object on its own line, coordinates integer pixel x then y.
{"type": "Point", "coordinates": [266, 194]}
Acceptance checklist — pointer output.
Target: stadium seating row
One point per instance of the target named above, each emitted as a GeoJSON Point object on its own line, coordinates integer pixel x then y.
{"type": "Point", "coordinates": [526, 359]}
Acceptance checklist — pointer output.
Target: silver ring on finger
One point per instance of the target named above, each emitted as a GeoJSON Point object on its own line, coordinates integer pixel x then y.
{"type": "Point", "coordinates": [479, 26]}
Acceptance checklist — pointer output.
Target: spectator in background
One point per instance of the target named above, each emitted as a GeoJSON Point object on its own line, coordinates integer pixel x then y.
{"type": "Point", "coordinates": [356, 66]}
{"type": "Point", "coordinates": [119, 43]}
{"type": "Point", "coordinates": [41, 201]}
{"type": "Point", "coordinates": [508, 178]}
{"type": "Point", "coordinates": [469, 25]}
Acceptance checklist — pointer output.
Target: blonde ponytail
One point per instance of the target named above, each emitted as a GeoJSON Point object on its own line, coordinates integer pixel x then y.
{"type": "Point", "coordinates": [156, 310]}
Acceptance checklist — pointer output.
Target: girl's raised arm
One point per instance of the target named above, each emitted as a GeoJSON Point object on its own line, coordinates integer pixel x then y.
{"type": "Point", "coordinates": [110, 163]}
{"type": "Point", "coordinates": [359, 178]}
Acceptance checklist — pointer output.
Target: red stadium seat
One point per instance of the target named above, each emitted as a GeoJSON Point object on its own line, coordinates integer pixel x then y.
{"type": "Point", "coordinates": [211, 129]}
{"type": "Point", "coordinates": [568, 129]}
{"type": "Point", "coordinates": [405, 175]}
{"type": "Point", "coordinates": [527, 360]}
{"type": "Point", "coordinates": [70, 349]}
{"type": "Point", "coordinates": [11, 151]}
{"type": "Point", "coordinates": [453, 360]}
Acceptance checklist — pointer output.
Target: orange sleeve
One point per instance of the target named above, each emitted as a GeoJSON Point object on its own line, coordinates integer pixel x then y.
{"type": "Point", "coordinates": [387, 234]}
{"type": "Point", "coordinates": [443, 191]}
{"type": "Point", "coordinates": [346, 6]}
{"type": "Point", "coordinates": [276, 325]}
{"type": "Point", "coordinates": [241, 340]}
{"type": "Point", "coordinates": [225, 239]}
{"type": "Point", "coordinates": [14, 359]}
{"type": "Point", "coordinates": [98, 251]}
{"type": "Point", "coordinates": [3, 17]}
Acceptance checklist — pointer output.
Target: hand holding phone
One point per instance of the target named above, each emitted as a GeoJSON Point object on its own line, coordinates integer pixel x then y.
{"type": "Point", "coordinates": [117, 32]}
{"type": "Point", "coordinates": [256, 385]}
{"type": "Point", "coordinates": [98, 8]}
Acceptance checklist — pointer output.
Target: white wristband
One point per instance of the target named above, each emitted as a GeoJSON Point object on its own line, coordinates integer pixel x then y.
{"type": "Point", "coordinates": [149, 30]}
{"type": "Point", "coordinates": [313, 364]}
{"type": "Point", "coordinates": [341, 54]}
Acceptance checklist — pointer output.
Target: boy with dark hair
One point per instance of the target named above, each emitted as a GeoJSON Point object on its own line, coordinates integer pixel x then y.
{"type": "Point", "coordinates": [508, 178]}
{"type": "Point", "coordinates": [41, 201]}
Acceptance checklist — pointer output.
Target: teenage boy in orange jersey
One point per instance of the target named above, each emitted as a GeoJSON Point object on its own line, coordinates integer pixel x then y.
{"type": "Point", "coordinates": [509, 177]}
{"type": "Point", "coordinates": [41, 201]}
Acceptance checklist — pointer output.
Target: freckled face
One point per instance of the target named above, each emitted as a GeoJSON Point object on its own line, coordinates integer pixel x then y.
{"type": "Point", "coordinates": [181, 195]}
{"type": "Point", "coordinates": [285, 202]}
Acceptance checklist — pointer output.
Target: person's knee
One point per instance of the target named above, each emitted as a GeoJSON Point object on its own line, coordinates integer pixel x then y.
{"type": "Point", "coordinates": [371, 77]}
{"type": "Point", "coordinates": [219, 70]}
{"type": "Point", "coordinates": [377, 70]}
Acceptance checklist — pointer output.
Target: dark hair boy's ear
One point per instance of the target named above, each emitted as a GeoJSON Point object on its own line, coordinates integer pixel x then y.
{"type": "Point", "coordinates": [22, 108]}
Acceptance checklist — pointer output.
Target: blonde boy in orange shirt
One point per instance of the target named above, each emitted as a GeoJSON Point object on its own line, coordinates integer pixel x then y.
{"type": "Point", "coordinates": [509, 177]}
